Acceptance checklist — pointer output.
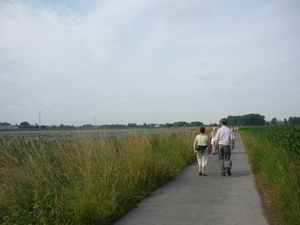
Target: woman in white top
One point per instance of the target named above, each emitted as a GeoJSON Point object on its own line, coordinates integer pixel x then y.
{"type": "Point", "coordinates": [201, 144]}
{"type": "Point", "coordinates": [212, 140]}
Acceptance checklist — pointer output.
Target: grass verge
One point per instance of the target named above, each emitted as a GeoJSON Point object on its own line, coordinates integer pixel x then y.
{"type": "Point", "coordinates": [278, 173]}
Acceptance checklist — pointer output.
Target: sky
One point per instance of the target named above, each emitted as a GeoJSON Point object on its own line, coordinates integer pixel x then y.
{"type": "Point", "coordinates": [76, 62]}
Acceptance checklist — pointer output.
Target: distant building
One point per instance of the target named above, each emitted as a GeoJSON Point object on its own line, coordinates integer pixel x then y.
{"type": "Point", "coordinates": [8, 127]}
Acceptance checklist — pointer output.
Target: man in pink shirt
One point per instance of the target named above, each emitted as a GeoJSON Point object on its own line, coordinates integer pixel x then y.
{"type": "Point", "coordinates": [224, 138]}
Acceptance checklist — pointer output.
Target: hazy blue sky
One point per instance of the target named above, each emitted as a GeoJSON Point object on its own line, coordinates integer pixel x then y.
{"type": "Point", "coordinates": [148, 61]}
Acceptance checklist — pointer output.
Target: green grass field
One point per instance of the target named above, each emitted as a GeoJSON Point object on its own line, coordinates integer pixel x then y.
{"type": "Point", "coordinates": [85, 178]}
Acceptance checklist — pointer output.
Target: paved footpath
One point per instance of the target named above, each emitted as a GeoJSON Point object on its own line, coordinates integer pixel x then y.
{"type": "Point", "coordinates": [214, 199]}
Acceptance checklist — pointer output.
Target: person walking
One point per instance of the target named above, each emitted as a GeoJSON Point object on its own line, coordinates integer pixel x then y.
{"type": "Point", "coordinates": [212, 140]}
{"type": "Point", "coordinates": [201, 150]}
{"type": "Point", "coordinates": [223, 139]}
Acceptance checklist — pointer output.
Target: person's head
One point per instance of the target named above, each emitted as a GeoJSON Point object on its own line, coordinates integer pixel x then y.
{"type": "Point", "coordinates": [214, 128]}
{"type": "Point", "coordinates": [223, 122]}
{"type": "Point", "coordinates": [202, 130]}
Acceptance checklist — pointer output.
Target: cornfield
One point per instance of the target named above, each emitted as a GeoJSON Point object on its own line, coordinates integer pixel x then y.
{"type": "Point", "coordinates": [284, 137]}
{"type": "Point", "coordinates": [274, 155]}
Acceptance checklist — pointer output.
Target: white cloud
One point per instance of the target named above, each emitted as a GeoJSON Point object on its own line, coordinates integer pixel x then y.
{"type": "Point", "coordinates": [11, 107]}
{"type": "Point", "coordinates": [178, 94]}
{"type": "Point", "coordinates": [123, 100]}
{"type": "Point", "coordinates": [208, 77]}
{"type": "Point", "coordinates": [48, 42]}
{"type": "Point", "coordinates": [294, 89]}
{"type": "Point", "coordinates": [132, 59]}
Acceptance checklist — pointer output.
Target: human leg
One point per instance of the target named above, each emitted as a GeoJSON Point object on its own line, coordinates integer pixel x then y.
{"type": "Point", "coordinates": [214, 148]}
{"type": "Point", "coordinates": [228, 162]}
{"type": "Point", "coordinates": [199, 159]}
{"type": "Point", "coordinates": [221, 153]}
{"type": "Point", "coordinates": [204, 161]}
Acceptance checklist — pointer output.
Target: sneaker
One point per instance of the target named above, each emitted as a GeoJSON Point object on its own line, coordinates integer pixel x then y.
{"type": "Point", "coordinates": [223, 174]}
{"type": "Point", "coordinates": [228, 171]}
{"type": "Point", "coordinates": [203, 174]}
{"type": "Point", "coordinates": [200, 173]}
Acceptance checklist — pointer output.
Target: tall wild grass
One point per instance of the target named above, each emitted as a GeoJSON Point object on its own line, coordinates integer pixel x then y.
{"type": "Point", "coordinates": [85, 179]}
{"type": "Point", "coordinates": [277, 166]}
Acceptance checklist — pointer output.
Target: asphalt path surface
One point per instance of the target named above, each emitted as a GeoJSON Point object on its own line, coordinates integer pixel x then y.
{"type": "Point", "coordinates": [213, 199]}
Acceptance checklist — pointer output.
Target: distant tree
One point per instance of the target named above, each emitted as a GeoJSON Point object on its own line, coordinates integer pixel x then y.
{"type": "Point", "coordinates": [61, 126]}
{"type": "Point", "coordinates": [196, 124]}
{"type": "Point", "coordinates": [34, 126]}
{"type": "Point", "coordinates": [5, 124]}
{"type": "Point", "coordinates": [181, 124]}
{"type": "Point", "coordinates": [251, 120]}
{"type": "Point", "coordinates": [87, 125]}
{"type": "Point", "coordinates": [274, 121]}
{"type": "Point", "coordinates": [132, 125]}
{"type": "Point", "coordinates": [168, 125]}
{"type": "Point", "coordinates": [24, 125]}
{"type": "Point", "coordinates": [285, 122]}
{"type": "Point", "coordinates": [290, 120]}
{"type": "Point", "coordinates": [294, 120]}
{"type": "Point", "coordinates": [68, 126]}
{"type": "Point", "coordinates": [233, 120]}
{"type": "Point", "coordinates": [112, 126]}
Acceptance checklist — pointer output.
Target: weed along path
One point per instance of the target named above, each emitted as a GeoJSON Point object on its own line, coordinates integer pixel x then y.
{"type": "Point", "coordinates": [213, 199]}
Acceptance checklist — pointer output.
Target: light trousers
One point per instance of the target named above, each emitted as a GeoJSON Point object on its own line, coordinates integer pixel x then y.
{"type": "Point", "coordinates": [202, 158]}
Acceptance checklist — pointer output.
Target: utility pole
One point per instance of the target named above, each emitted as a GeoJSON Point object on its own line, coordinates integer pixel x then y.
{"type": "Point", "coordinates": [40, 115]}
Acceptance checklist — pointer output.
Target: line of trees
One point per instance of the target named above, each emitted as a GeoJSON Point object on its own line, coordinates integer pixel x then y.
{"type": "Point", "coordinates": [144, 125]}
{"type": "Point", "coordinates": [259, 120]}
{"type": "Point", "coordinates": [244, 120]}
{"type": "Point", "coordinates": [294, 121]}
{"type": "Point", "coordinates": [26, 125]}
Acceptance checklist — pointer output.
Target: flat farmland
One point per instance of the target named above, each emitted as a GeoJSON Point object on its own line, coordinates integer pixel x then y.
{"type": "Point", "coordinates": [85, 176]}
{"type": "Point", "coordinates": [61, 134]}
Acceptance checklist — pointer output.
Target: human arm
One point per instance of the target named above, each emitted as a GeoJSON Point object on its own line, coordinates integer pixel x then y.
{"type": "Point", "coordinates": [209, 146]}
{"type": "Point", "coordinates": [232, 137]}
{"type": "Point", "coordinates": [208, 142]}
{"type": "Point", "coordinates": [216, 138]}
{"type": "Point", "coordinates": [216, 141]}
{"type": "Point", "coordinates": [210, 136]}
{"type": "Point", "coordinates": [194, 146]}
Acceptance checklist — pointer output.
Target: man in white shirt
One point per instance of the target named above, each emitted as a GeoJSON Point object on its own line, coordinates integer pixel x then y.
{"type": "Point", "coordinates": [224, 138]}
